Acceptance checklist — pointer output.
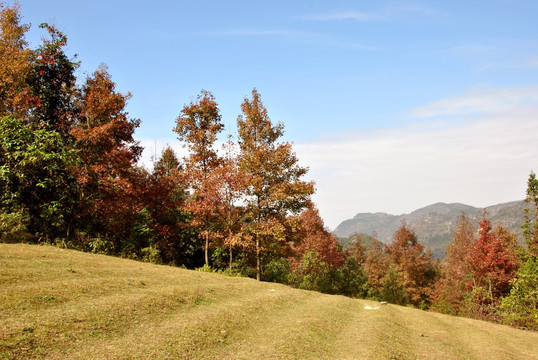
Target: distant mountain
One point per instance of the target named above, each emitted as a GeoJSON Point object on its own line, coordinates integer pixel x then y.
{"type": "Point", "coordinates": [433, 224]}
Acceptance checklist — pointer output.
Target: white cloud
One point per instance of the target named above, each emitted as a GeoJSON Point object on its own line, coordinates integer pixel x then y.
{"type": "Point", "coordinates": [479, 160]}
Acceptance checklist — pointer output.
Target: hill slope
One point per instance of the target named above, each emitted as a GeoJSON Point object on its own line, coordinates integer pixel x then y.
{"type": "Point", "coordinates": [433, 224]}
{"type": "Point", "coordinates": [63, 304]}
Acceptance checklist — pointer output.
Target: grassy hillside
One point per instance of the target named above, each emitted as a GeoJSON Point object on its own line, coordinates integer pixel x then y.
{"type": "Point", "coordinates": [63, 304]}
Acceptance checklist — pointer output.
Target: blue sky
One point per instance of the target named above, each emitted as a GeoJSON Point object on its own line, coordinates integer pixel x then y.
{"type": "Point", "coordinates": [393, 105]}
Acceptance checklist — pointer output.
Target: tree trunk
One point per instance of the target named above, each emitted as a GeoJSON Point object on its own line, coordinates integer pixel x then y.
{"type": "Point", "coordinates": [231, 258]}
{"type": "Point", "coordinates": [207, 249]}
{"type": "Point", "coordinates": [258, 262]}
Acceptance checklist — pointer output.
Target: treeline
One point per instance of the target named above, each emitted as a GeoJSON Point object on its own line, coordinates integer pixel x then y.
{"type": "Point", "coordinates": [69, 175]}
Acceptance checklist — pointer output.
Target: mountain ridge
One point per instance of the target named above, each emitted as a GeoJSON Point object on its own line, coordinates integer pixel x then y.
{"type": "Point", "coordinates": [434, 224]}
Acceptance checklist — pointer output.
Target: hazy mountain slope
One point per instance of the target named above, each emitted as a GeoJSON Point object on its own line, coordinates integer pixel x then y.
{"type": "Point", "coordinates": [62, 304]}
{"type": "Point", "coordinates": [434, 224]}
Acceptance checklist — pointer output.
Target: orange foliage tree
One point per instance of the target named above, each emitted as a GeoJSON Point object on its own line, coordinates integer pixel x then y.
{"type": "Point", "coordinates": [198, 126]}
{"type": "Point", "coordinates": [108, 153]}
{"type": "Point", "coordinates": [494, 264]}
{"type": "Point", "coordinates": [375, 266]}
{"type": "Point", "coordinates": [449, 292]}
{"type": "Point", "coordinates": [275, 187]}
{"type": "Point", "coordinates": [413, 264]}
{"type": "Point", "coordinates": [16, 61]}
{"type": "Point", "coordinates": [314, 237]}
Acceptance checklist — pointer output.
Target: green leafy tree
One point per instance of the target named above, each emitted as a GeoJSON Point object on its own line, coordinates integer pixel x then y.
{"type": "Point", "coordinates": [393, 289]}
{"type": "Point", "coordinates": [53, 83]}
{"type": "Point", "coordinates": [275, 186]}
{"type": "Point", "coordinates": [35, 178]}
{"type": "Point", "coordinates": [520, 307]}
{"type": "Point", "coordinates": [530, 225]}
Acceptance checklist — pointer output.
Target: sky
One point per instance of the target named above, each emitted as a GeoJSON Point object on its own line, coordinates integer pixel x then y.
{"type": "Point", "coordinates": [393, 105]}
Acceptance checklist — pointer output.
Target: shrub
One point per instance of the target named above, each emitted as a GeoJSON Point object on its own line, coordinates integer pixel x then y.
{"type": "Point", "coordinates": [13, 227]}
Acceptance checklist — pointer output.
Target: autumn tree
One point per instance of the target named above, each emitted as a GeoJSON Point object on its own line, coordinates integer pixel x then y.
{"type": "Point", "coordinates": [376, 267]}
{"type": "Point", "coordinates": [230, 186]}
{"type": "Point", "coordinates": [168, 163]}
{"type": "Point", "coordinates": [358, 251]}
{"type": "Point", "coordinates": [15, 64]}
{"type": "Point", "coordinates": [36, 159]}
{"type": "Point", "coordinates": [413, 264]}
{"type": "Point", "coordinates": [276, 188]}
{"type": "Point", "coordinates": [449, 291]}
{"type": "Point", "coordinates": [198, 126]}
{"type": "Point", "coordinates": [164, 197]}
{"type": "Point", "coordinates": [493, 266]}
{"type": "Point", "coordinates": [314, 237]}
{"type": "Point", "coordinates": [107, 175]}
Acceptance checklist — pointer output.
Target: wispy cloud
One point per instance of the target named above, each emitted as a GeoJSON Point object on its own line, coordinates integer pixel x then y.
{"type": "Point", "coordinates": [346, 15]}
{"type": "Point", "coordinates": [494, 53]}
{"type": "Point", "coordinates": [259, 32]}
{"type": "Point", "coordinates": [480, 102]}
{"type": "Point", "coordinates": [308, 37]}
{"type": "Point", "coordinates": [390, 12]}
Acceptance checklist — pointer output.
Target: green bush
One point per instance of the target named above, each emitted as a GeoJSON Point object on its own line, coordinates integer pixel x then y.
{"type": "Point", "coordinates": [13, 227]}
{"type": "Point", "coordinates": [520, 307]}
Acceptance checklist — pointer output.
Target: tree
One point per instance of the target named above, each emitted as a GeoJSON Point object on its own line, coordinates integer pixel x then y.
{"type": "Point", "coordinates": [168, 162]}
{"type": "Point", "coordinates": [520, 307]}
{"type": "Point", "coordinates": [275, 188]}
{"type": "Point", "coordinates": [449, 291]}
{"type": "Point", "coordinates": [53, 83]}
{"type": "Point", "coordinates": [108, 178]}
{"type": "Point", "coordinates": [413, 264]}
{"type": "Point", "coordinates": [164, 197]}
{"type": "Point", "coordinates": [314, 237]}
{"type": "Point", "coordinates": [35, 179]}
{"type": "Point", "coordinates": [231, 187]}
{"type": "Point", "coordinates": [493, 266]}
{"type": "Point", "coordinates": [530, 225]}
{"type": "Point", "coordinates": [198, 126]}
{"type": "Point", "coordinates": [358, 252]}
{"type": "Point", "coordinates": [15, 64]}
{"type": "Point", "coordinates": [376, 267]}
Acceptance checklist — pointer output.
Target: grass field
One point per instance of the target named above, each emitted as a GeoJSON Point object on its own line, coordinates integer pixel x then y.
{"type": "Point", "coordinates": [63, 304]}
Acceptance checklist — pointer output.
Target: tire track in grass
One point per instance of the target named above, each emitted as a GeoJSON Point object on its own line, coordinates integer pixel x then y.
{"type": "Point", "coordinates": [194, 333]}
{"type": "Point", "coordinates": [304, 329]}
{"type": "Point", "coordinates": [61, 325]}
